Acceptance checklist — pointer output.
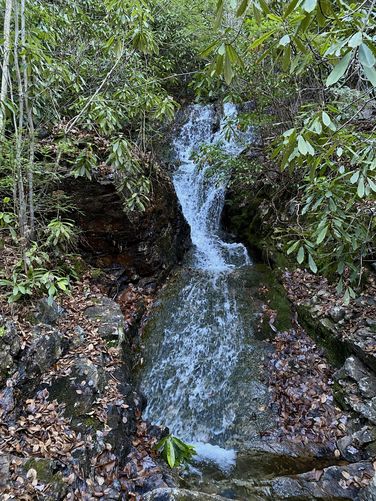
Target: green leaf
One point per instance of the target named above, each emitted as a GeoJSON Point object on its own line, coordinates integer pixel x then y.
{"type": "Point", "coordinates": [209, 49]}
{"type": "Point", "coordinates": [360, 190]}
{"type": "Point", "coordinates": [312, 264]}
{"type": "Point", "coordinates": [300, 256]}
{"type": "Point", "coordinates": [302, 146]}
{"type": "Point", "coordinates": [170, 453]}
{"type": "Point", "coordinates": [355, 40]}
{"type": "Point", "coordinates": [233, 55]}
{"type": "Point", "coordinates": [219, 65]}
{"type": "Point", "coordinates": [264, 6]}
{"type": "Point", "coordinates": [286, 58]}
{"type": "Point", "coordinates": [292, 248]}
{"type": "Point", "coordinates": [354, 178]}
{"type": "Point", "coordinates": [310, 148]}
{"type": "Point", "coordinates": [326, 119]}
{"type": "Point", "coordinates": [370, 73]}
{"type": "Point", "coordinates": [261, 40]}
{"type": "Point", "coordinates": [219, 13]}
{"type": "Point", "coordinates": [291, 6]}
{"type": "Point", "coordinates": [227, 70]}
{"type": "Point", "coordinates": [346, 297]}
{"type": "Point", "coordinates": [366, 56]}
{"type": "Point", "coordinates": [309, 5]}
{"type": "Point", "coordinates": [372, 185]}
{"type": "Point", "coordinates": [339, 70]}
{"type": "Point", "coordinates": [322, 235]}
{"type": "Point", "coordinates": [242, 8]}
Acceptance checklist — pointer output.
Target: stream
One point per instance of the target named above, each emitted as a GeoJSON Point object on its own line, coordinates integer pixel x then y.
{"type": "Point", "coordinates": [203, 373]}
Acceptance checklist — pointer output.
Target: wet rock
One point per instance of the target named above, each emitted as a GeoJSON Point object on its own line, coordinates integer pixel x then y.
{"type": "Point", "coordinates": [10, 347]}
{"type": "Point", "coordinates": [4, 470]}
{"type": "Point", "coordinates": [47, 472]}
{"type": "Point", "coordinates": [362, 343]}
{"type": "Point", "coordinates": [45, 349]}
{"type": "Point", "coordinates": [109, 317]}
{"type": "Point", "coordinates": [144, 243]}
{"type": "Point", "coordinates": [352, 447]}
{"type": "Point", "coordinates": [371, 323]}
{"type": "Point", "coordinates": [28, 478]}
{"type": "Point", "coordinates": [337, 314]}
{"type": "Point", "coordinates": [7, 401]}
{"type": "Point", "coordinates": [169, 494]}
{"type": "Point", "coordinates": [48, 312]}
{"type": "Point", "coordinates": [356, 388]}
{"type": "Point", "coordinates": [78, 390]}
{"type": "Point", "coordinates": [334, 482]}
{"type": "Point", "coordinates": [369, 493]}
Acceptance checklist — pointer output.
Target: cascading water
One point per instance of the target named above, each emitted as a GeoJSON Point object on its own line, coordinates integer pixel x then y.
{"type": "Point", "coordinates": [200, 374]}
{"type": "Point", "coordinates": [202, 198]}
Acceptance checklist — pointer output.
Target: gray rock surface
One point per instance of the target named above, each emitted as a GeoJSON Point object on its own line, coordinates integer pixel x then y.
{"type": "Point", "coordinates": [109, 317]}
{"type": "Point", "coordinates": [10, 347]}
{"type": "Point", "coordinates": [356, 388]}
{"type": "Point", "coordinates": [170, 494]}
{"type": "Point", "coordinates": [45, 349]}
{"type": "Point", "coordinates": [48, 312]}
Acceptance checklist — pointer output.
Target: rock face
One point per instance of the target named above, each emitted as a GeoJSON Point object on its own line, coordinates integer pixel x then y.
{"type": "Point", "coordinates": [109, 317]}
{"type": "Point", "coordinates": [356, 388]}
{"type": "Point", "coordinates": [10, 346]}
{"type": "Point", "coordinates": [144, 244]}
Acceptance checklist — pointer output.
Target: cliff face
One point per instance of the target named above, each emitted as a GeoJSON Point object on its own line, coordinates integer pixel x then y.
{"type": "Point", "coordinates": [145, 243]}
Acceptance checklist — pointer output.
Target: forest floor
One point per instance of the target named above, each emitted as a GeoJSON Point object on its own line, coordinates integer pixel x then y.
{"type": "Point", "coordinates": [35, 427]}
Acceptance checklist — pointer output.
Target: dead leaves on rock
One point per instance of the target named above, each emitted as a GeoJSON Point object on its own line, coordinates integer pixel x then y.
{"type": "Point", "coordinates": [301, 384]}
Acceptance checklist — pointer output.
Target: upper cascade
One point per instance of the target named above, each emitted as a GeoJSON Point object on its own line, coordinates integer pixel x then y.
{"type": "Point", "coordinates": [202, 196]}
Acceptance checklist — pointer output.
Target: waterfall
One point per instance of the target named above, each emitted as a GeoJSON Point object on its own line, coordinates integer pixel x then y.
{"type": "Point", "coordinates": [201, 197]}
{"type": "Point", "coordinates": [200, 355]}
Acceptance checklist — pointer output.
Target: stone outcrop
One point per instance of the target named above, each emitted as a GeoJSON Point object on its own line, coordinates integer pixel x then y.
{"type": "Point", "coordinates": [87, 391]}
{"type": "Point", "coordinates": [142, 243]}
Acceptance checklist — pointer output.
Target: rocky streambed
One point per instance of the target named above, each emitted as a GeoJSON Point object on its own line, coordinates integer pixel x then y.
{"type": "Point", "coordinates": [222, 358]}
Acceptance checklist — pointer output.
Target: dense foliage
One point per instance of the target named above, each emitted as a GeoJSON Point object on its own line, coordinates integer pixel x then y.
{"type": "Point", "coordinates": [90, 85]}
{"type": "Point", "coordinates": [309, 66]}
{"type": "Point", "coordinates": [86, 86]}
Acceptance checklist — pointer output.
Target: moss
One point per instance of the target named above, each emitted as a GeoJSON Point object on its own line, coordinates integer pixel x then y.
{"type": "Point", "coordinates": [78, 265]}
{"type": "Point", "coordinates": [96, 273]}
{"type": "Point", "coordinates": [45, 470]}
{"type": "Point", "coordinates": [92, 422]}
{"type": "Point", "coordinates": [339, 395]}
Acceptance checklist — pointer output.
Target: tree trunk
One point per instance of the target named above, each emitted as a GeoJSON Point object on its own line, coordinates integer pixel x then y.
{"type": "Point", "coordinates": [30, 169]}
{"type": "Point", "coordinates": [22, 214]}
{"type": "Point", "coordinates": [5, 68]}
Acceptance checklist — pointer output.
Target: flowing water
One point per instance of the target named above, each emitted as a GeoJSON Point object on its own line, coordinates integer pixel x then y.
{"type": "Point", "coordinates": [203, 372]}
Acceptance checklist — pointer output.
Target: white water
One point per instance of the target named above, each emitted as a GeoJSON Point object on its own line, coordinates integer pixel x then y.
{"type": "Point", "coordinates": [202, 198]}
{"type": "Point", "coordinates": [197, 376]}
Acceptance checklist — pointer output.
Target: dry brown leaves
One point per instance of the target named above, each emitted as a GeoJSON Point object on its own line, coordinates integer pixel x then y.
{"type": "Point", "coordinates": [302, 286]}
{"type": "Point", "coordinates": [42, 431]}
{"type": "Point", "coordinates": [302, 390]}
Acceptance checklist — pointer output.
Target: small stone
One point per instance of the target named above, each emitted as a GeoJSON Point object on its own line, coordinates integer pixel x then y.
{"type": "Point", "coordinates": [337, 313]}
{"type": "Point", "coordinates": [48, 312]}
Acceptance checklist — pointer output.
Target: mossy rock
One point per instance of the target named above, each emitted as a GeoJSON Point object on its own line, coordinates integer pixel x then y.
{"type": "Point", "coordinates": [48, 473]}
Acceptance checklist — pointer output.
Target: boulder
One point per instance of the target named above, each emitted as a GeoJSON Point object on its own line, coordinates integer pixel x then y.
{"type": "Point", "coordinates": [45, 349]}
{"type": "Point", "coordinates": [48, 311]}
{"type": "Point", "coordinates": [142, 243]}
{"type": "Point", "coordinates": [110, 318]}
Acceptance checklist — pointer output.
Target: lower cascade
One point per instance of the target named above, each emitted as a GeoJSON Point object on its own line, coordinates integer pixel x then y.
{"type": "Point", "coordinates": [202, 359]}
